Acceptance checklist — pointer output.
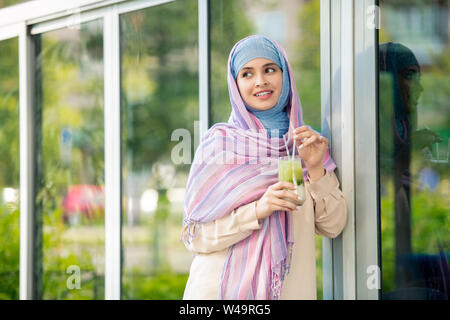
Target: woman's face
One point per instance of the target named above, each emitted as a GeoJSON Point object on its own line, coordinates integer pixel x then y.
{"type": "Point", "coordinates": [260, 82]}
{"type": "Point", "coordinates": [410, 87]}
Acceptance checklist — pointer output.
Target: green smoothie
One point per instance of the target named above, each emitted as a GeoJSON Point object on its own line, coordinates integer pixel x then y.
{"type": "Point", "coordinates": [287, 170]}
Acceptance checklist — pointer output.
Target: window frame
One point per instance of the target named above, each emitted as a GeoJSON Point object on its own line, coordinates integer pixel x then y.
{"type": "Point", "coordinates": [349, 117]}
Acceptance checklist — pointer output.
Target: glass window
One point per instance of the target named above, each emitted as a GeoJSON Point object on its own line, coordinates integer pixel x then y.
{"type": "Point", "coordinates": [70, 168]}
{"type": "Point", "coordinates": [414, 132]}
{"type": "Point", "coordinates": [295, 25]}
{"type": "Point", "coordinates": [9, 170]}
{"type": "Point", "coordinates": [159, 79]}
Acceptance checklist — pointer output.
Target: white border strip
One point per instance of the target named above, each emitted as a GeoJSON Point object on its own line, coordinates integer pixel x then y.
{"type": "Point", "coordinates": [113, 172]}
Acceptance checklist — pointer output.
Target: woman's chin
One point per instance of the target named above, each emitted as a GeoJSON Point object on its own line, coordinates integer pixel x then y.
{"type": "Point", "coordinates": [262, 106]}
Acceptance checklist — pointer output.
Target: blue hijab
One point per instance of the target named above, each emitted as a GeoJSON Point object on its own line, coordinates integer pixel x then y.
{"type": "Point", "coordinates": [276, 117]}
{"type": "Point", "coordinates": [395, 57]}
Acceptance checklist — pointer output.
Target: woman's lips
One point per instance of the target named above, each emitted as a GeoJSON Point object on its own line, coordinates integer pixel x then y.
{"type": "Point", "coordinates": [265, 96]}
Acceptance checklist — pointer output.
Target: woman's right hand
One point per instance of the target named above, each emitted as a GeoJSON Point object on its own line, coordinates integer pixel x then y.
{"type": "Point", "coordinates": [276, 198]}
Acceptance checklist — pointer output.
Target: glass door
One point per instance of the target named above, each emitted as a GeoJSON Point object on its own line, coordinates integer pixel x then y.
{"type": "Point", "coordinates": [414, 142]}
{"type": "Point", "coordinates": [159, 109]}
{"type": "Point", "coordinates": [70, 163]}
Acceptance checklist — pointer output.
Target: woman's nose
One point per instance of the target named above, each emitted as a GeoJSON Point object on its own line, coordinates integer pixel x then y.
{"type": "Point", "coordinates": [420, 87]}
{"type": "Point", "coordinates": [260, 80]}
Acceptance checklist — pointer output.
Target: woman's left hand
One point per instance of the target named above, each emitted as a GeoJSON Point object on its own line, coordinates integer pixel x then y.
{"type": "Point", "coordinates": [311, 146]}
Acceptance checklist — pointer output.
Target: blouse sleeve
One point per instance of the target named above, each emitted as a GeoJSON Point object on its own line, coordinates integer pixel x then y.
{"type": "Point", "coordinates": [330, 208]}
{"type": "Point", "coordinates": [222, 233]}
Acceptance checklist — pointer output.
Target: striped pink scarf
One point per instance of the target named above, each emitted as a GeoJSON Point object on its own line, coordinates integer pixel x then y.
{"type": "Point", "coordinates": [234, 165]}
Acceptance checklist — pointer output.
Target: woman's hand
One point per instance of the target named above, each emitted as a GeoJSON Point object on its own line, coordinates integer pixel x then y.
{"type": "Point", "coordinates": [311, 147]}
{"type": "Point", "coordinates": [276, 198]}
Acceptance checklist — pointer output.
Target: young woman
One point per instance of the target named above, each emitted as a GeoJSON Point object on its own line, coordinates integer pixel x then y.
{"type": "Point", "coordinates": [249, 239]}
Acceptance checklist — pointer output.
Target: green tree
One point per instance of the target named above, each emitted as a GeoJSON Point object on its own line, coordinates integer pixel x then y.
{"type": "Point", "coordinates": [9, 168]}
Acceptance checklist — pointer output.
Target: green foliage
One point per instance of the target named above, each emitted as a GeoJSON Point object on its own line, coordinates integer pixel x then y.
{"type": "Point", "coordinates": [160, 94]}
{"type": "Point", "coordinates": [308, 43]}
{"type": "Point", "coordinates": [9, 113]}
{"type": "Point", "coordinates": [165, 285]}
{"type": "Point", "coordinates": [9, 253]}
{"type": "Point", "coordinates": [6, 3]}
{"type": "Point", "coordinates": [306, 62]}
{"type": "Point", "coordinates": [9, 167]}
{"type": "Point", "coordinates": [429, 228]}
{"type": "Point", "coordinates": [60, 252]}
{"type": "Point", "coordinates": [228, 24]}
{"type": "Point", "coordinates": [159, 48]}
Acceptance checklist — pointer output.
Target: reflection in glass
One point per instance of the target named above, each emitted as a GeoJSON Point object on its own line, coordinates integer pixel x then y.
{"type": "Point", "coordinates": [232, 20]}
{"type": "Point", "coordinates": [9, 170]}
{"type": "Point", "coordinates": [414, 156]}
{"type": "Point", "coordinates": [159, 79]}
{"type": "Point", "coordinates": [70, 168]}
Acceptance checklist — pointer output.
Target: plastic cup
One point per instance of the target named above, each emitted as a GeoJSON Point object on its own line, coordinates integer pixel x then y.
{"type": "Point", "coordinates": [289, 168]}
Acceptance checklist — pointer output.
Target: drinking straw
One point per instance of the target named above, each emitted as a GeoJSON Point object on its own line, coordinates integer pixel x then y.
{"type": "Point", "coordinates": [285, 143]}
{"type": "Point", "coordinates": [292, 157]}
{"type": "Point", "coordinates": [293, 149]}
{"type": "Point", "coordinates": [289, 156]}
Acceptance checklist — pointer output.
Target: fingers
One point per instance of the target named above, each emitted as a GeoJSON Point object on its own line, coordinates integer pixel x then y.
{"type": "Point", "coordinates": [284, 205]}
{"type": "Point", "coordinates": [323, 140]}
{"type": "Point", "coordinates": [282, 185]}
{"type": "Point", "coordinates": [285, 194]}
{"type": "Point", "coordinates": [301, 129]}
{"type": "Point", "coordinates": [311, 140]}
{"type": "Point", "coordinates": [302, 135]}
{"type": "Point", "coordinates": [309, 137]}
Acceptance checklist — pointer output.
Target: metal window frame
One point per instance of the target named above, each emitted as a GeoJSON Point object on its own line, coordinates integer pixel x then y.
{"type": "Point", "coordinates": [350, 121]}
{"type": "Point", "coordinates": [331, 101]}
{"type": "Point", "coordinates": [204, 67]}
{"type": "Point", "coordinates": [10, 31]}
{"type": "Point", "coordinates": [113, 168]}
{"type": "Point", "coordinates": [367, 224]}
{"type": "Point", "coordinates": [27, 164]}
{"type": "Point", "coordinates": [325, 87]}
{"type": "Point", "coordinates": [76, 15]}
{"type": "Point", "coordinates": [33, 12]}
{"type": "Point", "coordinates": [347, 129]}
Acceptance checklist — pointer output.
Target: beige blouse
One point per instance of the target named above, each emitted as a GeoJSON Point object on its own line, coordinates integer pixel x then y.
{"type": "Point", "coordinates": [324, 212]}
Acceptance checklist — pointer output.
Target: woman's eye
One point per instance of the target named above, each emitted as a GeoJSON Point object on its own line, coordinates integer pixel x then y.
{"type": "Point", "coordinates": [246, 74]}
{"type": "Point", "coordinates": [411, 74]}
{"type": "Point", "coordinates": [270, 69]}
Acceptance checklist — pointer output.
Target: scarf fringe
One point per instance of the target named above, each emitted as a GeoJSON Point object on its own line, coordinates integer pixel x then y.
{"type": "Point", "coordinates": [278, 279]}
{"type": "Point", "coordinates": [192, 232]}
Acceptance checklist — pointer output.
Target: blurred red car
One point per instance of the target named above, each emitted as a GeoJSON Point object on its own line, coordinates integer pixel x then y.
{"type": "Point", "coordinates": [83, 201]}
